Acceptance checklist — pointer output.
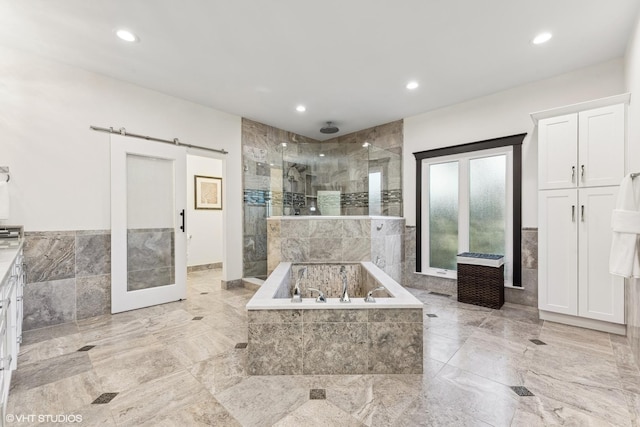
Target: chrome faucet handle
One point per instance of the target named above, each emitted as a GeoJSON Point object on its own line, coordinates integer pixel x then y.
{"type": "Point", "coordinates": [302, 273]}
{"type": "Point", "coordinates": [320, 297]}
{"type": "Point", "coordinates": [370, 297]}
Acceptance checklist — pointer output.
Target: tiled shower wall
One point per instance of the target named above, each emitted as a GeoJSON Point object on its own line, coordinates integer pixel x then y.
{"type": "Point", "coordinates": [262, 147]}
{"type": "Point", "coordinates": [527, 296]}
{"type": "Point", "coordinates": [69, 272]}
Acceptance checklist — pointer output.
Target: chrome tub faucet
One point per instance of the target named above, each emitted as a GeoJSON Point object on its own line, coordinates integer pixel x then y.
{"type": "Point", "coordinates": [297, 296]}
{"type": "Point", "coordinates": [345, 294]}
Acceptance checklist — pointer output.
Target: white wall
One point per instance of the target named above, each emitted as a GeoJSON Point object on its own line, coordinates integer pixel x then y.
{"type": "Point", "coordinates": [501, 114]}
{"type": "Point", "coordinates": [60, 168]}
{"type": "Point", "coordinates": [204, 227]}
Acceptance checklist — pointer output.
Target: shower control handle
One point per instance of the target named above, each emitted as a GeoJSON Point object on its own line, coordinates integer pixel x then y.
{"type": "Point", "coordinates": [184, 220]}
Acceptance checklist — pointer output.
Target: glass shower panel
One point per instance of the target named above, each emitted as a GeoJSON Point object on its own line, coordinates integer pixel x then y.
{"type": "Point", "coordinates": [487, 204]}
{"type": "Point", "coordinates": [375, 192]}
{"type": "Point", "coordinates": [150, 222]}
{"type": "Point", "coordinates": [443, 215]}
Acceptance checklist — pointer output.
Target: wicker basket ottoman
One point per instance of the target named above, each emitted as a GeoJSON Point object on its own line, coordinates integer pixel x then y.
{"type": "Point", "coordinates": [481, 279]}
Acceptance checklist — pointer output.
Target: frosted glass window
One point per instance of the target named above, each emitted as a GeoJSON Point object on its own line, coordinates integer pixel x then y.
{"type": "Point", "coordinates": [443, 215]}
{"type": "Point", "coordinates": [487, 200]}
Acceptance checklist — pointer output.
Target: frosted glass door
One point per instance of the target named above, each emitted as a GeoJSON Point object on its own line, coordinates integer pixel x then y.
{"type": "Point", "coordinates": [148, 200]}
{"type": "Point", "coordinates": [487, 204]}
{"type": "Point", "coordinates": [443, 215]}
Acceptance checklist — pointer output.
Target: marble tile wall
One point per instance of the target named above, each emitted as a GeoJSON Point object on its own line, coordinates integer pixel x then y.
{"type": "Point", "coordinates": [68, 276]}
{"type": "Point", "coordinates": [333, 342]}
{"type": "Point", "coordinates": [265, 193]}
{"type": "Point", "coordinates": [314, 239]}
{"type": "Point", "coordinates": [527, 296]}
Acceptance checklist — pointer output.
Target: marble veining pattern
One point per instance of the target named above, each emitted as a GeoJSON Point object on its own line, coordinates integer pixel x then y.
{"type": "Point", "coordinates": [50, 256]}
{"type": "Point", "coordinates": [471, 357]}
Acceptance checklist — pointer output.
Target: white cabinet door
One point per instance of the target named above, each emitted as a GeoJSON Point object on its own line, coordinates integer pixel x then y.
{"type": "Point", "coordinates": [558, 152]}
{"type": "Point", "coordinates": [601, 295]}
{"type": "Point", "coordinates": [558, 251]}
{"type": "Point", "coordinates": [601, 146]}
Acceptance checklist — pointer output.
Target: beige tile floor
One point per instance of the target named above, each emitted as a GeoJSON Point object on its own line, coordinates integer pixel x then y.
{"type": "Point", "coordinates": [171, 370]}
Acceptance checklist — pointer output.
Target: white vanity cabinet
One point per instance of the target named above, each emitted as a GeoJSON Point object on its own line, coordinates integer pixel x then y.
{"type": "Point", "coordinates": [12, 279]}
{"type": "Point", "coordinates": [581, 161]}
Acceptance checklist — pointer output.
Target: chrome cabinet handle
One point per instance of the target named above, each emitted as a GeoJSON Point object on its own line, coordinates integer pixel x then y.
{"type": "Point", "coordinates": [573, 173]}
{"type": "Point", "coordinates": [582, 213]}
{"type": "Point", "coordinates": [582, 172]}
{"type": "Point", "coordinates": [573, 213]}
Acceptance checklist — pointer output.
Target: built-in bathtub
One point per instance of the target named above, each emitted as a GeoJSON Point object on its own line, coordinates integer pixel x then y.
{"type": "Point", "coordinates": [334, 337]}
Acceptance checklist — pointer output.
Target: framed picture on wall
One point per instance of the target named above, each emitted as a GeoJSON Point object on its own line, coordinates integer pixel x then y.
{"type": "Point", "coordinates": [208, 192]}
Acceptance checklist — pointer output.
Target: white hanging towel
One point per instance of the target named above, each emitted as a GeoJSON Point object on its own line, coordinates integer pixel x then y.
{"type": "Point", "coordinates": [625, 222]}
{"type": "Point", "coordinates": [4, 200]}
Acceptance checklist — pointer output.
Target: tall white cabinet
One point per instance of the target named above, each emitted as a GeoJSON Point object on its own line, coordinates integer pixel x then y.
{"type": "Point", "coordinates": [581, 161]}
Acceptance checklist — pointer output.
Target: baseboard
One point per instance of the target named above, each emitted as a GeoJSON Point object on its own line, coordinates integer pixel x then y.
{"type": "Point", "coordinates": [202, 267]}
{"type": "Point", "coordinates": [598, 325]}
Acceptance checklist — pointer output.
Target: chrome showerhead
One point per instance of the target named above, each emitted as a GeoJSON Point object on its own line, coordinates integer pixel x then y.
{"type": "Point", "coordinates": [329, 128]}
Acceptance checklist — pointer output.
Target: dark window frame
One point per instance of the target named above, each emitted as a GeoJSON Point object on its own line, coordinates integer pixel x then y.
{"type": "Point", "coordinates": [513, 140]}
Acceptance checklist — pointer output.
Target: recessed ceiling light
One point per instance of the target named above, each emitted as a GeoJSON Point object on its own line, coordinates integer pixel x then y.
{"type": "Point", "coordinates": [321, 155]}
{"type": "Point", "coordinates": [126, 35]}
{"type": "Point", "coordinates": [412, 85]}
{"type": "Point", "coordinates": [542, 38]}
{"type": "Point", "coordinates": [301, 108]}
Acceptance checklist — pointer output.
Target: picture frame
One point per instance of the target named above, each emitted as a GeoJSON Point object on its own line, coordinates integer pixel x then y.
{"type": "Point", "coordinates": [208, 192]}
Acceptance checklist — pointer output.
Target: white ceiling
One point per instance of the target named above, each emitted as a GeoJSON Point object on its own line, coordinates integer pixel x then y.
{"type": "Point", "coordinates": [346, 60]}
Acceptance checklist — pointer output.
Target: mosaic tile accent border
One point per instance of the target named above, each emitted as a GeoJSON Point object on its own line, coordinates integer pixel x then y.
{"type": "Point", "coordinates": [298, 200]}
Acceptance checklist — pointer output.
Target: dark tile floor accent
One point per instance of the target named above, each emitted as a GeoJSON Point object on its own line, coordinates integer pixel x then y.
{"type": "Point", "coordinates": [86, 348]}
{"type": "Point", "coordinates": [204, 293]}
{"type": "Point", "coordinates": [317, 394]}
{"type": "Point", "coordinates": [439, 294]}
{"type": "Point", "coordinates": [538, 342]}
{"type": "Point", "coordinates": [104, 398]}
{"type": "Point", "coordinates": [431, 315]}
{"type": "Point", "coordinates": [241, 345]}
{"type": "Point", "coordinates": [521, 391]}
{"type": "Point", "coordinates": [198, 318]}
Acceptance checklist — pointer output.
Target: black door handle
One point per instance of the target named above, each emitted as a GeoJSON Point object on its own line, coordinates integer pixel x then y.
{"type": "Point", "coordinates": [184, 220]}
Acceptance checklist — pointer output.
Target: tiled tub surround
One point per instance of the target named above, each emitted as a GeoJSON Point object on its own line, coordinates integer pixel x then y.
{"type": "Point", "coordinates": [301, 239]}
{"type": "Point", "coordinates": [288, 338]}
{"type": "Point", "coordinates": [528, 295]}
{"type": "Point", "coordinates": [68, 276]}
{"type": "Point", "coordinates": [327, 278]}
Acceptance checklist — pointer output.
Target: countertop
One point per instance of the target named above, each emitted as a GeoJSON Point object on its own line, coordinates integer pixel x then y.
{"type": "Point", "coordinates": [9, 249]}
